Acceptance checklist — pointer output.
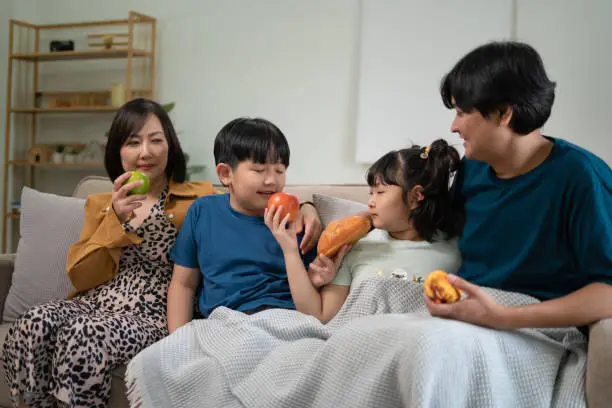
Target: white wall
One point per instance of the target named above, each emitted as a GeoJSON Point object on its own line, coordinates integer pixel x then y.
{"type": "Point", "coordinates": [573, 38]}
{"type": "Point", "coordinates": [297, 63]}
{"type": "Point", "coordinates": [407, 46]}
{"type": "Point", "coordinates": [293, 62]}
{"type": "Point", "coordinates": [399, 99]}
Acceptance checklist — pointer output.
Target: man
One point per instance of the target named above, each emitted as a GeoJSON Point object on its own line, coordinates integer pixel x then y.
{"type": "Point", "coordinates": [538, 210]}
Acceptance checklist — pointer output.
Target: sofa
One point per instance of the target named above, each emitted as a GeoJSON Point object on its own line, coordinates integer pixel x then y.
{"type": "Point", "coordinates": [350, 198]}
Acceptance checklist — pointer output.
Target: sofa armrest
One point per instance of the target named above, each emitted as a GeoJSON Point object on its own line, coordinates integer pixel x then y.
{"type": "Point", "coordinates": [599, 365]}
{"type": "Point", "coordinates": [7, 262]}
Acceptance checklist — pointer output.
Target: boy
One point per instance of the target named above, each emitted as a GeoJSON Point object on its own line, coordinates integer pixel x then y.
{"type": "Point", "coordinates": [224, 242]}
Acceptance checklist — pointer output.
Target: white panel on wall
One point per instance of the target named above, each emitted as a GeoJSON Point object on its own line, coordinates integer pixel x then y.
{"type": "Point", "coordinates": [574, 39]}
{"type": "Point", "coordinates": [406, 48]}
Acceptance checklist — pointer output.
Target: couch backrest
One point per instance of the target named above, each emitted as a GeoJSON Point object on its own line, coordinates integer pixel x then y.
{"type": "Point", "coordinates": [355, 192]}
{"type": "Point", "coordinates": [92, 185]}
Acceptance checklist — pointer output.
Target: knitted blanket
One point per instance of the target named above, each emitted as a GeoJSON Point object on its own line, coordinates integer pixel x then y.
{"type": "Point", "coordinates": [382, 349]}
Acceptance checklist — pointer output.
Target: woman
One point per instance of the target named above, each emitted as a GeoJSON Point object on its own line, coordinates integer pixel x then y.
{"type": "Point", "coordinates": [65, 350]}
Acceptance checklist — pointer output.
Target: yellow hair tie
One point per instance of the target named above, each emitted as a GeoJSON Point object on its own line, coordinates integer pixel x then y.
{"type": "Point", "coordinates": [425, 154]}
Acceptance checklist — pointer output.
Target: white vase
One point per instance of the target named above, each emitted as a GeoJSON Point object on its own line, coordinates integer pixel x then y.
{"type": "Point", "coordinates": [57, 157]}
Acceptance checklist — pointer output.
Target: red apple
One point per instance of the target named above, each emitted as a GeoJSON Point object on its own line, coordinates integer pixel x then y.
{"type": "Point", "coordinates": [289, 202]}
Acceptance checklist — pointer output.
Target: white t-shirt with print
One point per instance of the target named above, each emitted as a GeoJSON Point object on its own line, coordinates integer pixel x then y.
{"type": "Point", "coordinates": [379, 254]}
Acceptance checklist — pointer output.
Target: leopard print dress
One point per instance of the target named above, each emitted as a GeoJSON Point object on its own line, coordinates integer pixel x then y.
{"type": "Point", "coordinates": [63, 352]}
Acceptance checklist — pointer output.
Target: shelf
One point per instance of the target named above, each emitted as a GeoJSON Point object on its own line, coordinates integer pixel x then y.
{"type": "Point", "coordinates": [76, 109]}
{"type": "Point", "coordinates": [80, 55]}
{"type": "Point", "coordinates": [135, 43]}
{"type": "Point", "coordinates": [65, 165]}
{"type": "Point", "coordinates": [91, 91]}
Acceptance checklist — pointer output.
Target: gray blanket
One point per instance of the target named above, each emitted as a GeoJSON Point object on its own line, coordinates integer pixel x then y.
{"type": "Point", "coordinates": [382, 350]}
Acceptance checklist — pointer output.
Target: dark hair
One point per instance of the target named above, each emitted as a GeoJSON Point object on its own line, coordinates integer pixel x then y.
{"type": "Point", "coordinates": [254, 139]}
{"type": "Point", "coordinates": [432, 170]}
{"type": "Point", "coordinates": [130, 118]}
{"type": "Point", "coordinates": [501, 75]}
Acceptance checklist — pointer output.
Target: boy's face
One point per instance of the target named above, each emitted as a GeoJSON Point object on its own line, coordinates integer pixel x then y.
{"type": "Point", "coordinates": [251, 184]}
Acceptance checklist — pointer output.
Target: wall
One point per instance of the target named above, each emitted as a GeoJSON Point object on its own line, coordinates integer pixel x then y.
{"type": "Point", "coordinates": [574, 41]}
{"type": "Point", "coordinates": [399, 76]}
{"type": "Point", "coordinates": [292, 62]}
{"type": "Point", "coordinates": [399, 100]}
{"type": "Point", "coordinates": [296, 63]}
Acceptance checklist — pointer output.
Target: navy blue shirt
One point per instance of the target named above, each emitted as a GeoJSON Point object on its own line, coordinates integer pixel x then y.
{"type": "Point", "coordinates": [241, 263]}
{"type": "Point", "coordinates": [546, 233]}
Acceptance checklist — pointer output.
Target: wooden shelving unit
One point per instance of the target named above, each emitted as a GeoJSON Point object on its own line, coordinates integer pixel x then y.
{"type": "Point", "coordinates": [66, 165]}
{"type": "Point", "coordinates": [79, 55]}
{"type": "Point", "coordinates": [132, 40]}
{"type": "Point", "coordinates": [82, 109]}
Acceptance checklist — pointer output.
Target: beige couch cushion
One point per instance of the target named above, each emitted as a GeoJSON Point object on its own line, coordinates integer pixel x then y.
{"type": "Point", "coordinates": [49, 224]}
{"type": "Point", "coordinates": [92, 185]}
{"type": "Point", "coordinates": [333, 208]}
{"type": "Point", "coordinates": [353, 192]}
{"type": "Point", "coordinates": [599, 365]}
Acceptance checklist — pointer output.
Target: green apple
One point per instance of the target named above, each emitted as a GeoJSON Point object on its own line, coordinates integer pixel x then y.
{"type": "Point", "coordinates": [139, 176]}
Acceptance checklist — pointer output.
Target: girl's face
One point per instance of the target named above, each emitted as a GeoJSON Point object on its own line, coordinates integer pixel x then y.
{"type": "Point", "coordinates": [387, 208]}
{"type": "Point", "coordinates": [147, 151]}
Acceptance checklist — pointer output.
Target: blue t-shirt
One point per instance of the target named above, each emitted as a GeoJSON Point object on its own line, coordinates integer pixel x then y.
{"type": "Point", "coordinates": [241, 263]}
{"type": "Point", "coordinates": [546, 233]}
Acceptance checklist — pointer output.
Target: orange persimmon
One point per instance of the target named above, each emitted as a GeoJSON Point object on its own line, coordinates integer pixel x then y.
{"type": "Point", "coordinates": [439, 289]}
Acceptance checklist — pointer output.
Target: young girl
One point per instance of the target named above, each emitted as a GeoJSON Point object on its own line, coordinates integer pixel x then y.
{"type": "Point", "coordinates": [416, 223]}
